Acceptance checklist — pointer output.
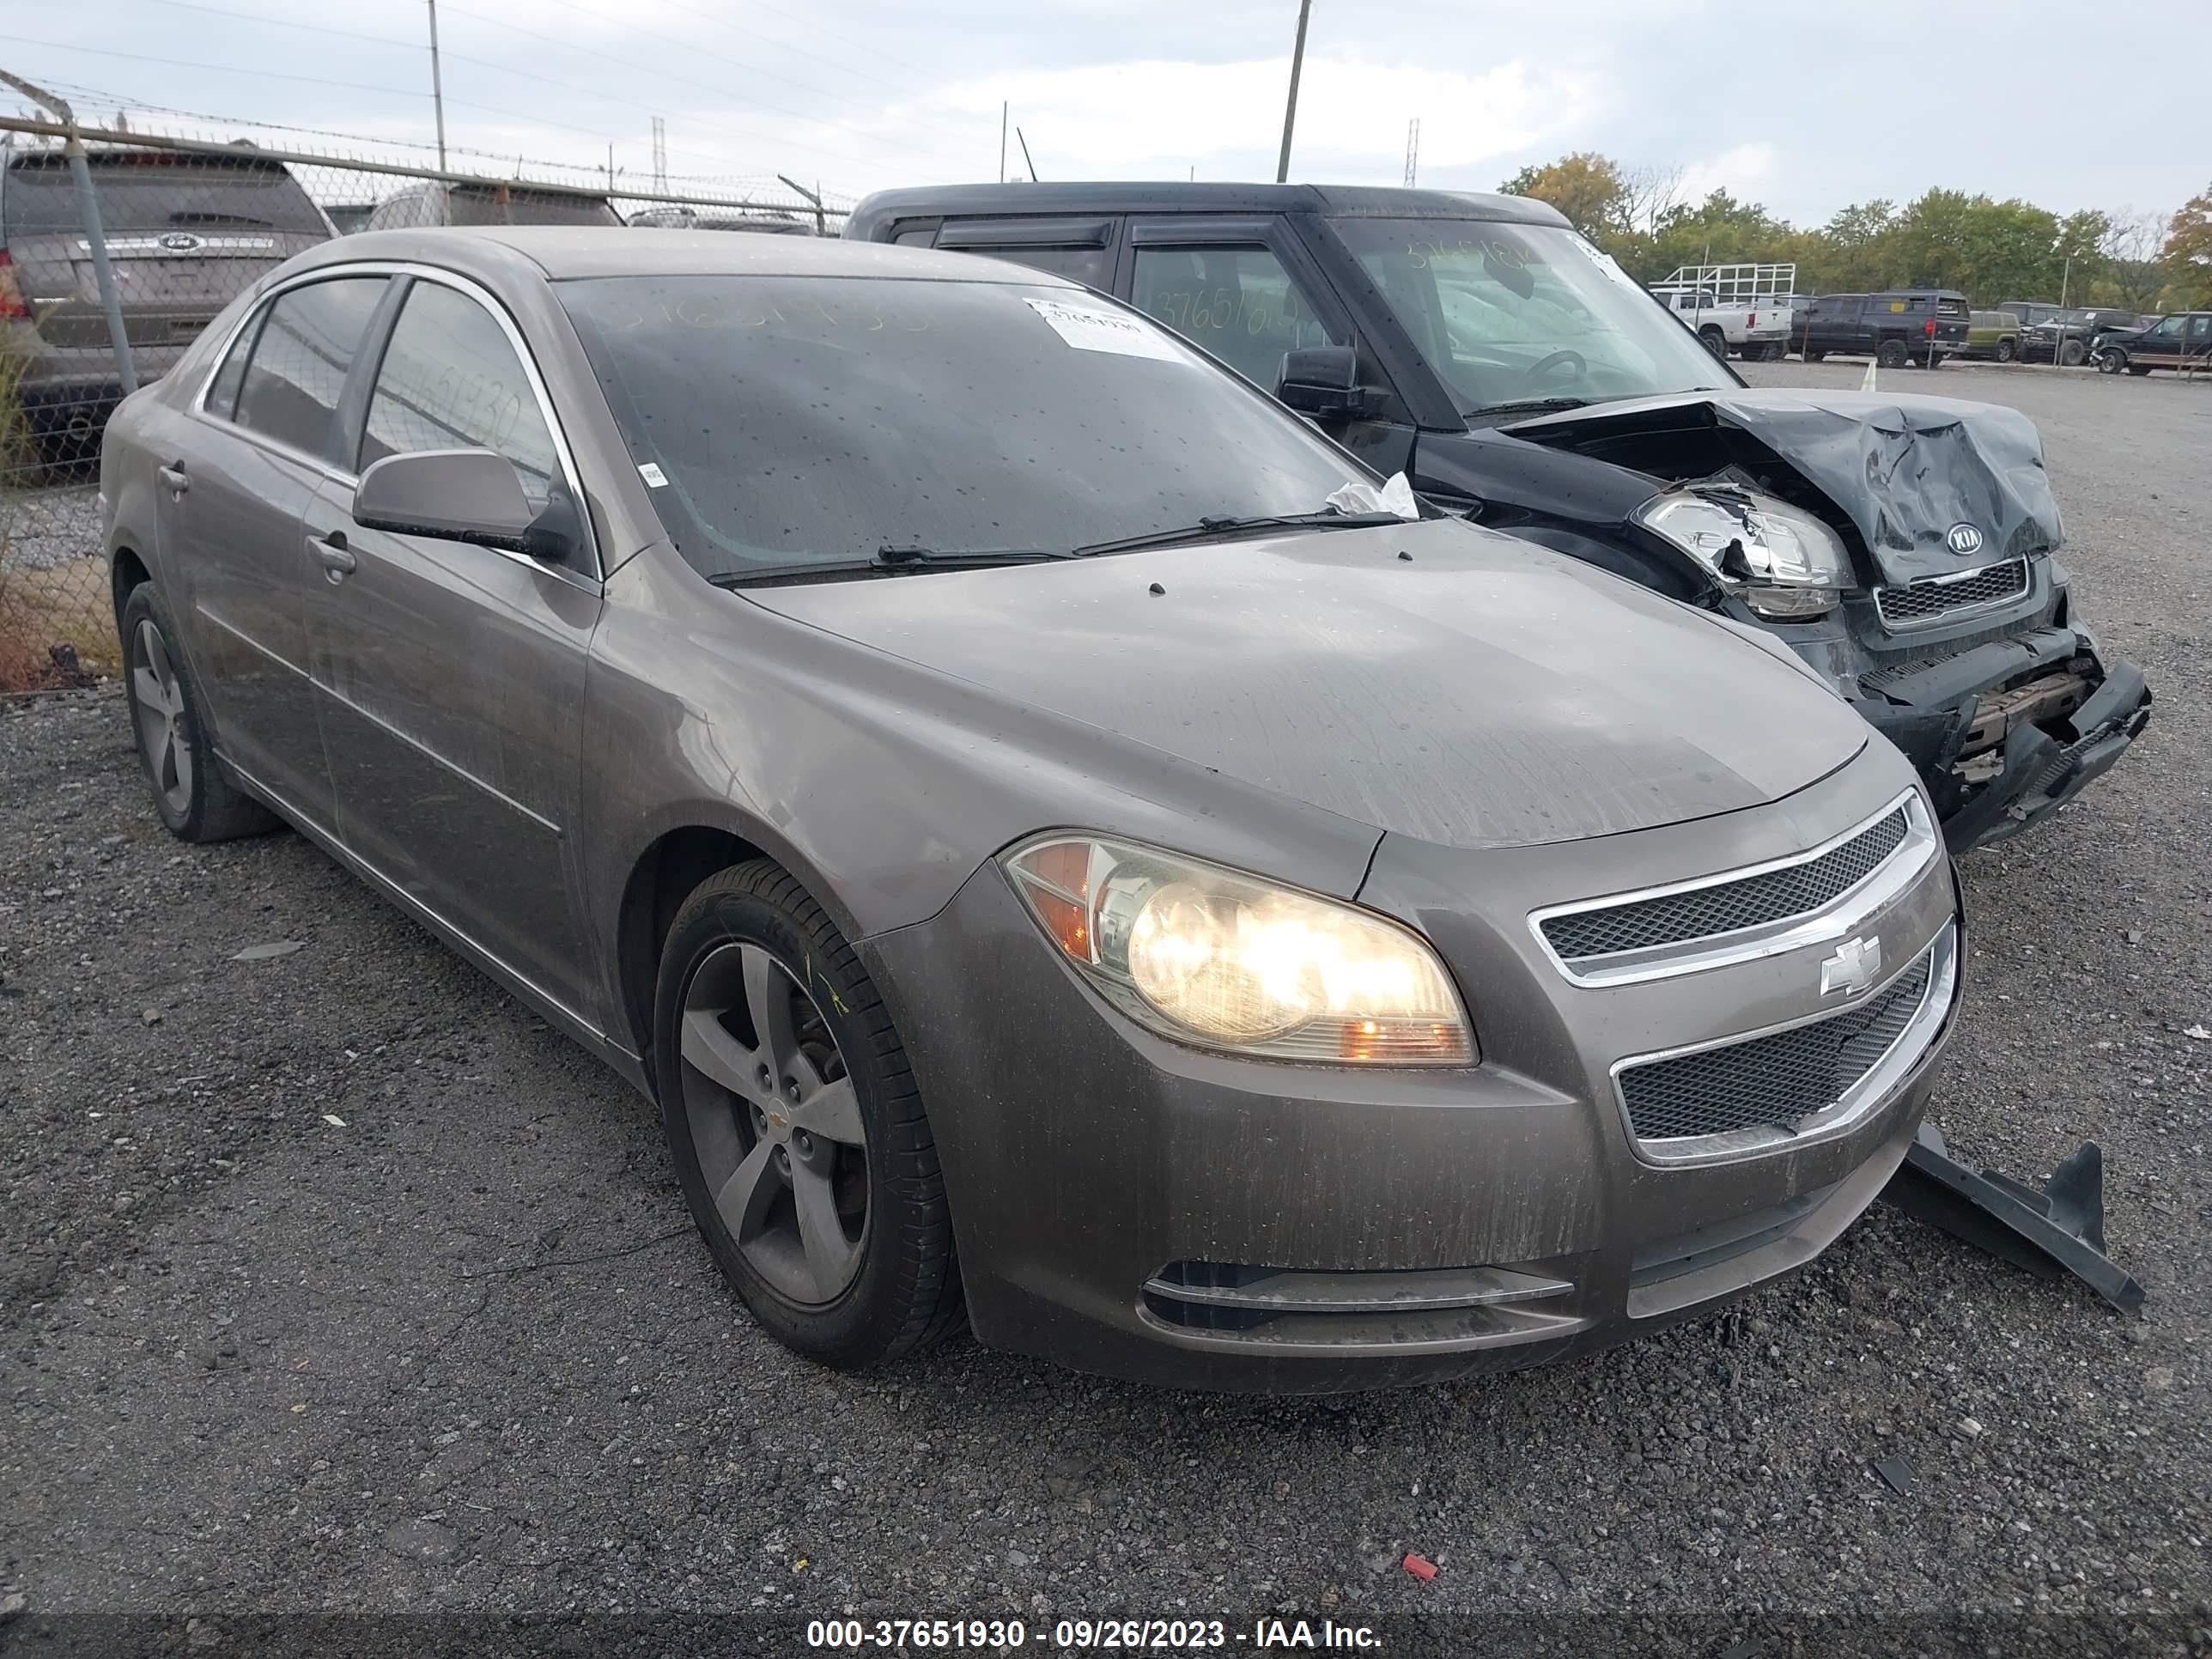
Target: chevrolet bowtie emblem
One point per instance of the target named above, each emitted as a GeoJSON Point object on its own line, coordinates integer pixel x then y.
{"type": "Point", "coordinates": [1853, 967]}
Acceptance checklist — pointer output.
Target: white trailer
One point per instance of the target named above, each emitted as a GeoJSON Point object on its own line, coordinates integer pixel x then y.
{"type": "Point", "coordinates": [1743, 308]}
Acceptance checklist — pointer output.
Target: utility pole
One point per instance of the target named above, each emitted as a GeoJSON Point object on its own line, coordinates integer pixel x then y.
{"type": "Point", "coordinates": [437, 86]}
{"type": "Point", "coordinates": [1003, 108]}
{"type": "Point", "coordinates": [1412, 149]}
{"type": "Point", "coordinates": [610, 169]}
{"type": "Point", "coordinates": [1290, 108]}
{"type": "Point", "coordinates": [1024, 143]}
{"type": "Point", "coordinates": [660, 156]}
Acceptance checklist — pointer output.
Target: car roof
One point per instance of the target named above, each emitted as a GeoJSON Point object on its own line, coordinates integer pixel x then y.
{"type": "Point", "coordinates": [1155, 196]}
{"type": "Point", "coordinates": [565, 252]}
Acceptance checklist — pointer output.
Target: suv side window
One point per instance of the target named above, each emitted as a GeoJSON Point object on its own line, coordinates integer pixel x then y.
{"type": "Point", "coordinates": [451, 380]}
{"type": "Point", "coordinates": [1092, 267]}
{"type": "Point", "coordinates": [305, 349]}
{"type": "Point", "coordinates": [1238, 303]}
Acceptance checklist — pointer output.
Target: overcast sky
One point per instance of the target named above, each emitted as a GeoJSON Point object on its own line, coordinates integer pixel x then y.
{"type": "Point", "coordinates": [1805, 106]}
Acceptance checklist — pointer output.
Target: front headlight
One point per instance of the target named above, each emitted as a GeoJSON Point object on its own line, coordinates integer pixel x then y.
{"type": "Point", "coordinates": [1785, 562]}
{"type": "Point", "coordinates": [1207, 956]}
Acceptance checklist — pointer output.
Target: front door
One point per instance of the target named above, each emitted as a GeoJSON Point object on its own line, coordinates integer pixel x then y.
{"type": "Point", "coordinates": [2162, 347]}
{"type": "Point", "coordinates": [453, 675]}
{"type": "Point", "coordinates": [237, 483]}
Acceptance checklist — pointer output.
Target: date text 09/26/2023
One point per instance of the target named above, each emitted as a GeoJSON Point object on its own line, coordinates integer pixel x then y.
{"type": "Point", "coordinates": [1089, 1635]}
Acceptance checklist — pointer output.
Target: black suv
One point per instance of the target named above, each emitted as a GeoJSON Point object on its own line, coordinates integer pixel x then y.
{"type": "Point", "coordinates": [1914, 328]}
{"type": "Point", "coordinates": [1901, 546]}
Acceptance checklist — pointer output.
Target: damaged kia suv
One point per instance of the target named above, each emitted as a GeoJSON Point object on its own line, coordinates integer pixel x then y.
{"type": "Point", "coordinates": [1902, 546]}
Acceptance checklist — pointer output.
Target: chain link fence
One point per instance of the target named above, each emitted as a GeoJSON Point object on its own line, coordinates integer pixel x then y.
{"type": "Point", "coordinates": [119, 245]}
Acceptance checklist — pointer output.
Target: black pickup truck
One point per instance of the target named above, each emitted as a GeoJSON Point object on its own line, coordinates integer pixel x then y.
{"type": "Point", "coordinates": [1901, 546]}
{"type": "Point", "coordinates": [1914, 328]}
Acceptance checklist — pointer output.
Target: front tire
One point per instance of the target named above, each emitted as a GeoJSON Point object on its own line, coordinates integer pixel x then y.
{"type": "Point", "coordinates": [2111, 361]}
{"type": "Point", "coordinates": [1715, 342]}
{"type": "Point", "coordinates": [2072, 354]}
{"type": "Point", "coordinates": [796, 1126]}
{"type": "Point", "coordinates": [196, 799]}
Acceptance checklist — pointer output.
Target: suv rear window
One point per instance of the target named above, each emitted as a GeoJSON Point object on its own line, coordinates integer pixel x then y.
{"type": "Point", "coordinates": [156, 192]}
{"type": "Point", "coordinates": [508, 204]}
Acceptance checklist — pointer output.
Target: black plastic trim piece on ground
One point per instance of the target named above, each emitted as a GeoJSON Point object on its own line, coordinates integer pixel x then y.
{"type": "Point", "coordinates": [2057, 1231]}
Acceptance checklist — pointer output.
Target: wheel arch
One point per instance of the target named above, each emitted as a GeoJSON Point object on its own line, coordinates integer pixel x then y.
{"type": "Point", "coordinates": [126, 571]}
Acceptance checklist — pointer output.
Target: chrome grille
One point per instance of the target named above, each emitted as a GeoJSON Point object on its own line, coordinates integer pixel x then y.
{"type": "Point", "coordinates": [1773, 1082]}
{"type": "Point", "coordinates": [1726, 907]}
{"type": "Point", "coordinates": [1931, 601]}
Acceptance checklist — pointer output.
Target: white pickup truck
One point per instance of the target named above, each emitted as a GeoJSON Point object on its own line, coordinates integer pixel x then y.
{"type": "Point", "coordinates": [1743, 308]}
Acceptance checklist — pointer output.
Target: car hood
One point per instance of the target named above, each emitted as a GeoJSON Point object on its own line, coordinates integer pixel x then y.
{"type": "Point", "coordinates": [1480, 692]}
{"type": "Point", "coordinates": [1906, 471]}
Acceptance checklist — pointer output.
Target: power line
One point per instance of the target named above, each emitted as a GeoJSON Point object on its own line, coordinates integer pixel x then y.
{"type": "Point", "coordinates": [218, 69]}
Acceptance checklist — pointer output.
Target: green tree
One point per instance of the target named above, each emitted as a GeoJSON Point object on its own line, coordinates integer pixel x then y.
{"type": "Point", "coordinates": [1590, 189]}
{"type": "Point", "coordinates": [2188, 251]}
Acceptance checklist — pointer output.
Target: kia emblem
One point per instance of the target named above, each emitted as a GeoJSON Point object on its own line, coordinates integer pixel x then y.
{"type": "Point", "coordinates": [1963, 539]}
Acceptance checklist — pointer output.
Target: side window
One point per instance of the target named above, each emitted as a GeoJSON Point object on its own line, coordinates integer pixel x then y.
{"type": "Point", "coordinates": [1238, 303]}
{"type": "Point", "coordinates": [451, 380]}
{"type": "Point", "coordinates": [222, 390]}
{"type": "Point", "coordinates": [1092, 267]}
{"type": "Point", "coordinates": [921, 238]}
{"type": "Point", "coordinates": [2170, 328]}
{"type": "Point", "coordinates": [2200, 329]}
{"type": "Point", "coordinates": [290, 388]}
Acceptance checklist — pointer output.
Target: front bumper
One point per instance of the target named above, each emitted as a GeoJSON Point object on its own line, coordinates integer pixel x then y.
{"type": "Point", "coordinates": [1112, 1193]}
{"type": "Point", "coordinates": [1930, 712]}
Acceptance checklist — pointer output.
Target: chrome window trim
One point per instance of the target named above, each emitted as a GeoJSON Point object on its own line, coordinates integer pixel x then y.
{"type": "Point", "coordinates": [1875, 1086]}
{"type": "Point", "coordinates": [474, 291]}
{"type": "Point", "coordinates": [1839, 916]}
{"type": "Point", "coordinates": [1911, 624]}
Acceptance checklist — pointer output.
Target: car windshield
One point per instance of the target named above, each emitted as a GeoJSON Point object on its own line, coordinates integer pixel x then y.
{"type": "Point", "coordinates": [1511, 313]}
{"type": "Point", "coordinates": [782, 422]}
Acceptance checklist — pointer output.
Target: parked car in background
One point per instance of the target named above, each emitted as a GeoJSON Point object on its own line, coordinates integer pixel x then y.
{"type": "Point", "coordinates": [1906, 328]}
{"type": "Point", "coordinates": [726, 642]}
{"type": "Point", "coordinates": [2182, 340]}
{"type": "Point", "coordinates": [421, 206]}
{"type": "Point", "coordinates": [1992, 336]}
{"type": "Point", "coordinates": [347, 217]}
{"type": "Point", "coordinates": [1480, 345]}
{"type": "Point", "coordinates": [677, 217]}
{"type": "Point", "coordinates": [2068, 336]}
{"type": "Point", "coordinates": [1757, 332]}
{"type": "Point", "coordinates": [186, 233]}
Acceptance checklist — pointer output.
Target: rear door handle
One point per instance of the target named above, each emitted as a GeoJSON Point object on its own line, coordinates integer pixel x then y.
{"type": "Point", "coordinates": [332, 553]}
{"type": "Point", "coordinates": [176, 478]}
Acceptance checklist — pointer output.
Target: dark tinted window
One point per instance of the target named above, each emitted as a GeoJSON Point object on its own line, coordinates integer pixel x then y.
{"type": "Point", "coordinates": [451, 380]}
{"type": "Point", "coordinates": [151, 192]}
{"type": "Point", "coordinates": [222, 390]}
{"type": "Point", "coordinates": [1238, 303]}
{"type": "Point", "coordinates": [921, 238]}
{"type": "Point", "coordinates": [513, 204]}
{"type": "Point", "coordinates": [301, 358]}
{"type": "Point", "coordinates": [796, 420]}
{"type": "Point", "coordinates": [1092, 267]}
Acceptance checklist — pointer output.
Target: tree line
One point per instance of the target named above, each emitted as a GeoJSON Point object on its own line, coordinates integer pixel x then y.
{"type": "Point", "coordinates": [1989, 250]}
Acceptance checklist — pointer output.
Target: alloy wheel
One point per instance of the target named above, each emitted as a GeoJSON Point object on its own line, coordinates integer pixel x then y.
{"type": "Point", "coordinates": [157, 710]}
{"type": "Point", "coordinates": [776, 1123]}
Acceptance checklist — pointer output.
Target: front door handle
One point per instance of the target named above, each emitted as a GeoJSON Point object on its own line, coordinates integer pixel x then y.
{"type": "Point", "coordinates": [332, 553]}
{"type": "Point", "coordinates": [178, 480]}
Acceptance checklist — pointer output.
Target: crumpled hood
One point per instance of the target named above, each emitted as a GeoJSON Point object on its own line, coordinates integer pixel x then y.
{"type": "Point", "coordinates": [1484, 693]}
{"type": "Point", "coordinates": [1906, 470]}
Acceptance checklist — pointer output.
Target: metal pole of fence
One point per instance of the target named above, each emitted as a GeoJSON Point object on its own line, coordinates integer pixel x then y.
{"type": "Point", "coordinates": [1291, 105]}
{"type": "Point", "coordinates": [821, 219]}
{"type": "Point", "coordinates": [96, 239]}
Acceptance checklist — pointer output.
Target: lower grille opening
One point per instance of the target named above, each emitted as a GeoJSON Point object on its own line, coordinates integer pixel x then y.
{"type": "Point", "coordinates": [1459, 1305]}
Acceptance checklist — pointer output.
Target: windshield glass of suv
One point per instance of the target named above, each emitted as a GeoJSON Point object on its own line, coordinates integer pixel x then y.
{"type": "Point", "coordinates": [799, 421]}
{"type": "Point", "coordinates": [1506, 313]}
{"type": "Point", "coordinates": [157, 192]}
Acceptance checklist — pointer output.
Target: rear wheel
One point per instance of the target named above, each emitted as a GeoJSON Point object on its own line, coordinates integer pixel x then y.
{"type": "Point", "coordinates": [195, 799]}
{"type": "Point", "coordinates": [1715, 342]}
{"type": "Point", "coordinates": [1892, 354]}
{"type": "Point", "coordinates": [796, 1126]}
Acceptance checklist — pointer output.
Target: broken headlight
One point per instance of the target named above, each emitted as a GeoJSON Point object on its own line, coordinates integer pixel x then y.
{"type": "Point", "coordinates": [1207, 956]}
{"type": "Point", "coordinates": [1781, 560]}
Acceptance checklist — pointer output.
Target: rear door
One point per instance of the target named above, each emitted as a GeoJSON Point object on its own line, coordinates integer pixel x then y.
{"type": "Point", "coordinates": [237, 482]}
{"type": "Point", "coordinates": [452, 675]}
{"type": "Point", "coordinates": [2198, 343]}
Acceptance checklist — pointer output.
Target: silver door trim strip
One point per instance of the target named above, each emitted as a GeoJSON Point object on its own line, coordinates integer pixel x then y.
{"type": "Point", "coordinates": [432, 754]}
{"type": "Point", "coordinates": [337, 850]}
{"type": "Point", "coordinates": [243, 637]}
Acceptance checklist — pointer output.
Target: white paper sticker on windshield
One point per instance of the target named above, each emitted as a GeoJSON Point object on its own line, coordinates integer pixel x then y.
{"type": "Point", "coordinates": [653, 477]}
{"type": "Point", "coordinates": [1087, 329]}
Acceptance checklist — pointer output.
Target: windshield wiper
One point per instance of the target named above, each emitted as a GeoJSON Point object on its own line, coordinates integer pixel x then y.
{"type": "Point", "coordinates": [1207, 529]}
{"type": "Point", "coordinates": [887, 562]}
{"type": "Point", "coordinates": [972, 558]}
{"type": "Point", "coordinates": [1526, 405]}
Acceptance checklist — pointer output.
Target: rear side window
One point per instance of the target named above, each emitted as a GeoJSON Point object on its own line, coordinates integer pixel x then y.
{"type": "Point", "coordinates": [451, 380]}
{"type": "Point", "coordinates": [1092, 267]}
{"type": "Point", "coordinates": [222, 390]}
{"type": "Point", "coordinates": [306, 347]}
{"type": "Point", "coordinates": [1238, 303]}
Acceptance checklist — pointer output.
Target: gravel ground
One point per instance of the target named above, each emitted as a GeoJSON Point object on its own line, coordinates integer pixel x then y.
{"type": "Point", "coordinates": [335, 1281]}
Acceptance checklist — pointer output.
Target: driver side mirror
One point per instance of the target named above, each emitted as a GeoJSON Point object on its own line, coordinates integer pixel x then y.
{"type": "Point", "coordinates": [1322, 381]}
{"type": "Point", "coordinates": [461, 495]}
